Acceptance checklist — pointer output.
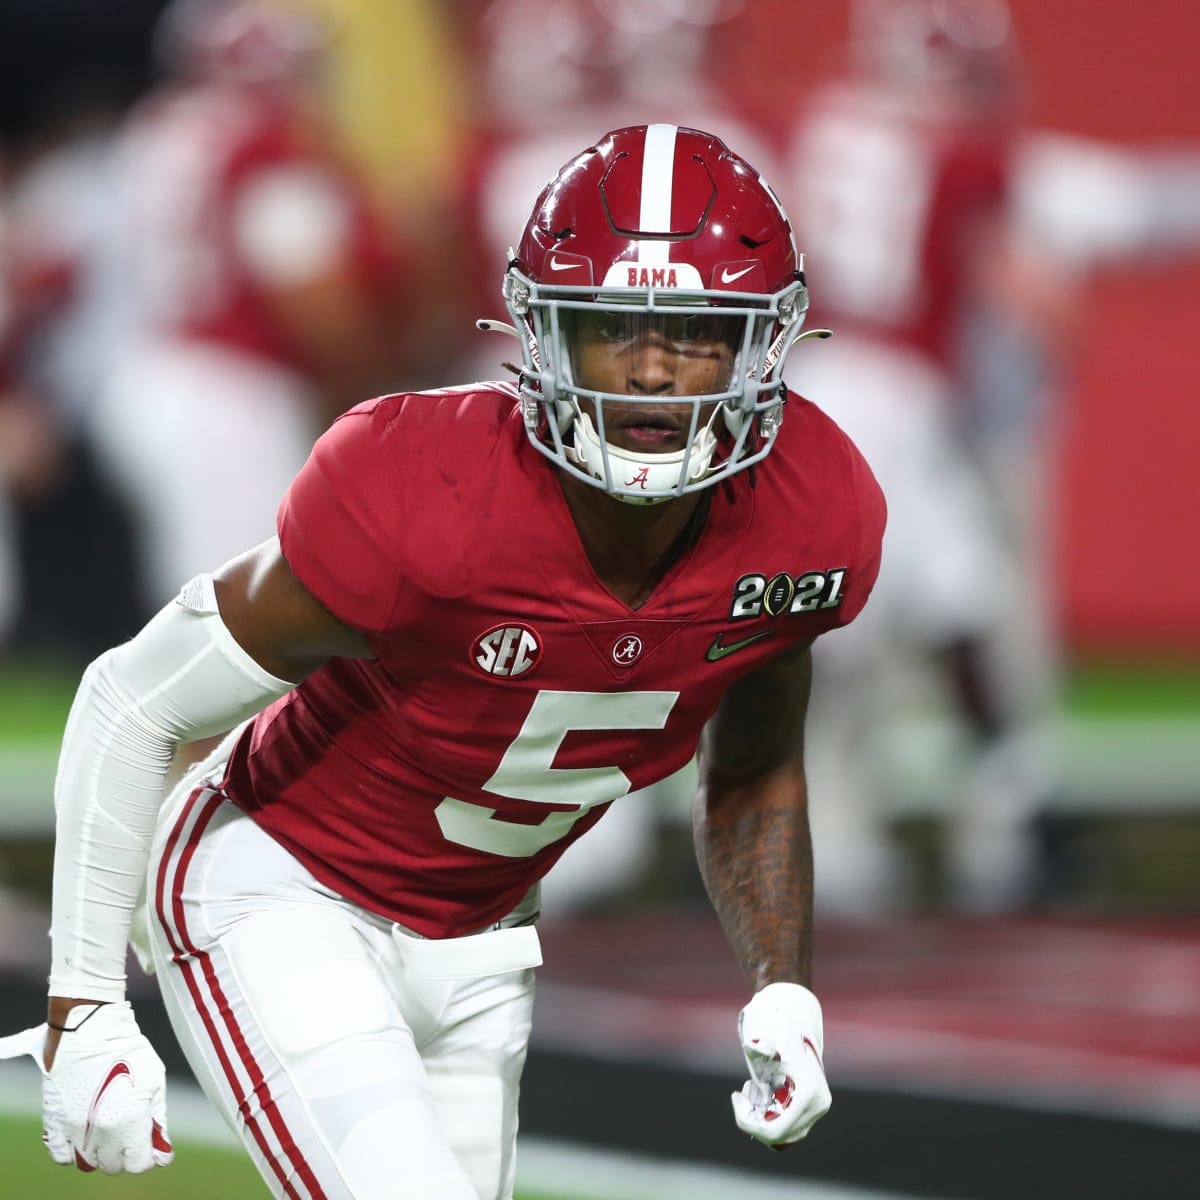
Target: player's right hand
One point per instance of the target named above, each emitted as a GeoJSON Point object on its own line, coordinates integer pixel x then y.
{"type": "Point", "coordinates": [782, 1035]}
{"type": "Point", "coordinates": [104, 1096]}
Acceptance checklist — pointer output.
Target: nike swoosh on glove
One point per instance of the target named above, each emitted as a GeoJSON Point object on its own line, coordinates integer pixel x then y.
{"type": "Point", "coordinates": [104, 1101]}
{"type": "Point", "coordinates": [783, 1040]}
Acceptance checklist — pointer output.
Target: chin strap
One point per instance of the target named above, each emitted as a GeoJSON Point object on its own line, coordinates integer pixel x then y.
{"type": "Point", "coordinates": [662, 470]}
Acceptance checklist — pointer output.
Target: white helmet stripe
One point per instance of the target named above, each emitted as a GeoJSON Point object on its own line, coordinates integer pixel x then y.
{"type": "Point", "coordinates": [658, 174]}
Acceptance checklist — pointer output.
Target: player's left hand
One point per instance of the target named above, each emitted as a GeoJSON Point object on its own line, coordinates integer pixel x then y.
{"type": "Point", "coordinates": [783, 1039]}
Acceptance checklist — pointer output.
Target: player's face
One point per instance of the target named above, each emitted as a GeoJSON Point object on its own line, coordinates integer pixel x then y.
{"type": "Point", "coordinates": [651, 356]}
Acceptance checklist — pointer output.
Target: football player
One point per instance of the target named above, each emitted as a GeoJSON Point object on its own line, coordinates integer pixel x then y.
{"type": "Point", "coordinates": [257, 273]}
{"type": "Point", "coordinates": [490, 613]}
{"type": "Point", "coordinates": [902, 164]}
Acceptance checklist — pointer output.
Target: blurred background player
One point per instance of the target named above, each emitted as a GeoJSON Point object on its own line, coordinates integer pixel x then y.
{"type": "Point", "coordinates": [8, 567]}
{"type": "Point", "coordinates": [68, 306]}
{"type": "Point", "coordinates": [900, 173]}
{"type": "Point", "coordinates": [30, 467]}
{"type": "Point", "coordinates": [261, 284]}
{"type": "Point", "coordinates": [24, 445]}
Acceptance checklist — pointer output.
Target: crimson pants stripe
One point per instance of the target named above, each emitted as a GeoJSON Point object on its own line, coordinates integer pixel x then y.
{"type": "Point", "coordinates": [184, 954]}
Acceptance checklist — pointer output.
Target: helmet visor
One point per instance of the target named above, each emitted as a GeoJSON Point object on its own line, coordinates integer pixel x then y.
{"type": "Point", "coordinates": [652, 354]}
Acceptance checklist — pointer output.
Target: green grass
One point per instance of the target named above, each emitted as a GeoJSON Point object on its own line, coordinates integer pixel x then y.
{"type": "Point", "coordinates": [34, 699]}
{"type": "Point", "coordinates": [198, 1173]}
{"type": "Point", "coordinates": [1148, 690]}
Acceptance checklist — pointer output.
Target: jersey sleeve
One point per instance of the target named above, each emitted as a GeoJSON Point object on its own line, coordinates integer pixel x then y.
{"type": "Point", "coordinates": [340, 522]}
{"type": "Point", "coordinates": [872, 519]}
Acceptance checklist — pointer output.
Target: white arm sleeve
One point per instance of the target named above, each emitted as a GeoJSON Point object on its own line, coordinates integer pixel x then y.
{"type": "Point", "coordinates": [182, 678]}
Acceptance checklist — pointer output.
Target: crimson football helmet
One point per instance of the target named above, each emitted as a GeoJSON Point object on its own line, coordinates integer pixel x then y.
{"type": "Point", "coordinates": [656, 231]}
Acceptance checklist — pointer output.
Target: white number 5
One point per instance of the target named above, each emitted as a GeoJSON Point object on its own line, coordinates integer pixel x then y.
{"type": "Point", "coordinates": [526, 772]}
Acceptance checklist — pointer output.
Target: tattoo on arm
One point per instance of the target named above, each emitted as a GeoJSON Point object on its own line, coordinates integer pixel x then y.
{"type": "Point", "coordinates": [751, 822]}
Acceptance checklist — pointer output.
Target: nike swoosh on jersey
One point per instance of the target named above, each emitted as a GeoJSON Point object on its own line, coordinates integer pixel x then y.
{"type": "Point", "coordinates": [718, 649]}
{"type": "Point", "coordinates": [726, 277]}
{"type": "Point", "coordinates": [555, 265]}
{"type": "Point", "coordinates": [117, 1071]}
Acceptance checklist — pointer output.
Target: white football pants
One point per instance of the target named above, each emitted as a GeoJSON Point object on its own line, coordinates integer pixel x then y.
{"type": "Point", "coordinates": [354, 1060]}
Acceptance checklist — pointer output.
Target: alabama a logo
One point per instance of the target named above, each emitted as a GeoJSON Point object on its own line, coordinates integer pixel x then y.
{"type": "Point", "coordinates": [627, 649]}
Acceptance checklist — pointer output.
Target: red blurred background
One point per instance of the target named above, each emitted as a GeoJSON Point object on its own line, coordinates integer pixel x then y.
{"type": "Point", "coordinates": [1127, 496]}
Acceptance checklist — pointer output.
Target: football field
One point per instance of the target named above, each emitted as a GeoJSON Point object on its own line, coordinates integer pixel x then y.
{"type": "Point", "coordinates": [199, 1173]}
{"type": "Point", "coordinates": [203, 1171]}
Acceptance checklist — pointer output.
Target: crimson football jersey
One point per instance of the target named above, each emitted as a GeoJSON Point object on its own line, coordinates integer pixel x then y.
{"type": "Point", "coordinates": [512, 697]}
{"type": "Point", "coordinates": [883, 195]}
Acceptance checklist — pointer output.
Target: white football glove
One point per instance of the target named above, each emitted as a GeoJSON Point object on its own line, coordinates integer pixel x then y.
{"type": "Point", "coordinates": [783, 1040]}
{"type": "Point", "coordinates": [104, 1099]}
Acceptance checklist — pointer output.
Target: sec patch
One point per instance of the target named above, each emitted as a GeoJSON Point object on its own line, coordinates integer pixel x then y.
{"type": "Point", "coordinates": [507, 651]}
